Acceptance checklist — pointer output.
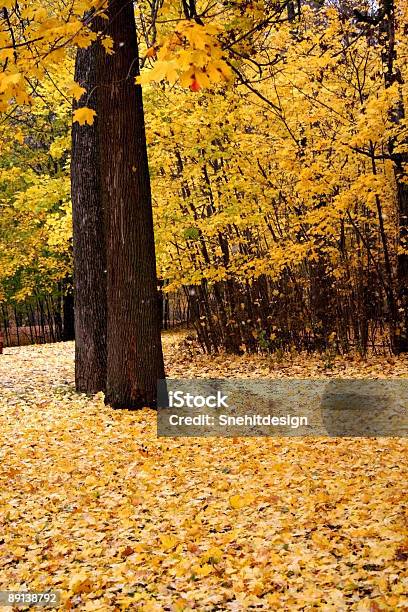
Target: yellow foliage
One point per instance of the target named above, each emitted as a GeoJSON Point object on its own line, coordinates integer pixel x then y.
{"type": "Point", "coordinates": [84, 115]}
{"type": "Point", "coordinates": [321, 518]}
{"type": "Point", "coordinates": [191, 55]}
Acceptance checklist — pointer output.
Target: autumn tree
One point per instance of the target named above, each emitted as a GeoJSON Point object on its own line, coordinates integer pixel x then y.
{"type": "Point", "coordinates": [89, 240]}
{"type": "Point", "coordinates": [134, 352]}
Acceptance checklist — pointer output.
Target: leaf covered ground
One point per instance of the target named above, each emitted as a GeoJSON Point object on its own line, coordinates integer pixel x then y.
{"type": "Point", "coordinates": [93, 505]}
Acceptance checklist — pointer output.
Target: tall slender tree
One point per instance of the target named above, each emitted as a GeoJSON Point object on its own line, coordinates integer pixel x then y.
{"type": "Point", "coordinates": [134, 355]}
{"type": "Point", "coordinates": [68, 316]}
{"type": "Point", "coordinates": [89, 247]}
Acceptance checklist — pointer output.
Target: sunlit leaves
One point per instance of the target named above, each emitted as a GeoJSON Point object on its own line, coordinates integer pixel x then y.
{"type": "Point", "coordinates": [35, 220]}
{"type": "Point", "coordinates": [76, 90]}
{"type": "Point", "coordinates": [279, 182]}
{"type": "Point", "coordinates": [84, 115]}
{"type": "Point", "coordinates": [191, 56]}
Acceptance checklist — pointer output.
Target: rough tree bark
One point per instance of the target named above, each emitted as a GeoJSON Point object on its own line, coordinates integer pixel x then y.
{"type": "Point", "coordinates": [88, 238]}
{"type": "Point", "coordinates": [392, 76]}
{"type": "Point", "coordinates": [135, 359]}
{"type": "Point", "coordinates": [401, 341]}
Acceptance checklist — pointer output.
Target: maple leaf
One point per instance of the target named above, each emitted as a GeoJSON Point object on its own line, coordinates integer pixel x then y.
{"type": "Point", "coordinates": [80, 583]}
{"type": "Point", "coordinates": [168, 541]}
{"type": "Point", "coordinates": [84, 115]}
{"type": "Point", "coordinates": [202, 570]}
{"type": "Point", "coordinates": [76, 91]}
{"type": "Point", "coordinates": [107, 44]}
{"type": "Point", "coordinates": [195, 86]}
{"type": "Point", "coordinates": [240, 501]}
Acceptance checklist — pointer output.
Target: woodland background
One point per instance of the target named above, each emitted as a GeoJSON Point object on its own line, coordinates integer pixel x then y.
{"type": "Point", "coordinates": [277, 141]}
{"type": "Point", "coordinates": [277, 162]}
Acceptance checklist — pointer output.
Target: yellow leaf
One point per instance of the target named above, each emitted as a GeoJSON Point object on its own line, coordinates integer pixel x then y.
{"type": "Point", "coordinates": [321, 540]}
{"type": "Point", "coordinates": [168, 541]}
{"type": "Point", "coordinates": [80, 583]}
{"type": "Point", "coordinates": [76, 90]}
{"type": "Point", "coordinates": [202, 79]}
{"type": "Point", "coordinates": [202, 570]}
{"type": "Point", "coordinates": [9, 80]}
{"type": "Point", "coordinates": [214, 554]}
{"type": "Point", "coordinates": [151, 606]}
{"type": "Point", "coordinates": [84, 115]}
{"type": "Point", "coordinates": [219, 71]}
{"type": "Point", "coordinates": [240, 501]}
{"type": "Point", "coordinates": [107, 44]}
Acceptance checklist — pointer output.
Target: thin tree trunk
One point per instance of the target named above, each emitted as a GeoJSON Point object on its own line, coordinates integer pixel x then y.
{"type": "Point", "coordinates": [30, 323]}
{"type": "Point", "coordinates": [43, 335]}
{"type": "Point", "coordinates": [135, 360]}
{"type": "Point", "coordinates": [6, 322]}
{"type": "Point", "coordinates": [17, 326]}
{"type": "Point", "coordinates": [68, 316]}
{"type": "Point", "coordinates": [50, 318]}
{"type": "Point", "coordinates": [89, 248]}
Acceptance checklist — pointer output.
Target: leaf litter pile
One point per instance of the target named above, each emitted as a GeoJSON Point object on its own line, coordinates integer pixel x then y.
{"type": "Point", "coordinates": [95, 506]}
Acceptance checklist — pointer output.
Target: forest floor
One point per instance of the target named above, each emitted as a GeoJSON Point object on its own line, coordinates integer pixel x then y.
{"type": "Point", "coordinates": [94, 505]}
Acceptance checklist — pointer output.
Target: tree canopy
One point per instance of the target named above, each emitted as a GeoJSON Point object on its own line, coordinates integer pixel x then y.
{"type": "Point", "coordinates": [276, 146]}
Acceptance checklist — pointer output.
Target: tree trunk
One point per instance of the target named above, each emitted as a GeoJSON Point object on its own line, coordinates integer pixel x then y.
{"type": "Point", "coordinates": [401, 342]}
{"type": "Point", "coordinates": [392, 76]}
{"type": "Point", "coordinates": [68, 316]}
{"type": "Point", "coordinates": [135, 359]}
{"type": "Point", "coordinates": [89, 238]}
